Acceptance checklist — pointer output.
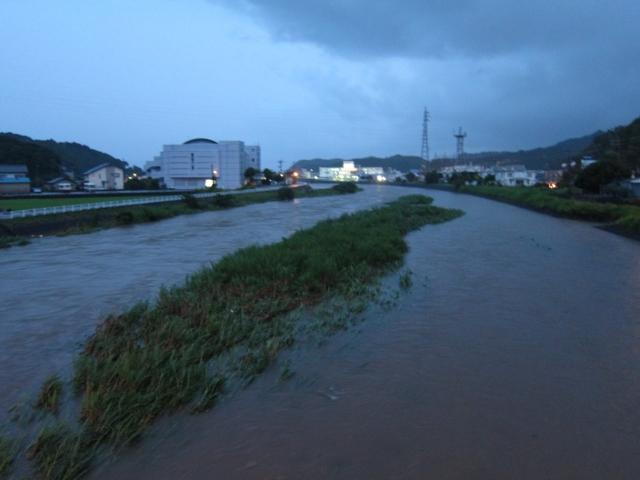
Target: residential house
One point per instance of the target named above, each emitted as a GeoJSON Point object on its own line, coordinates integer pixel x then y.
{"type": "Point", "coordinates": [105, 177]}
{"type": "Point", "coordinates": [61, 184]}
{"type": "Point", "coordinates": [14, 179]}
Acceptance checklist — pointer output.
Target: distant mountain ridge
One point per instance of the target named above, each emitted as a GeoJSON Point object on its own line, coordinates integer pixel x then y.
{"type": "Point", "coordinates": [536, 159]}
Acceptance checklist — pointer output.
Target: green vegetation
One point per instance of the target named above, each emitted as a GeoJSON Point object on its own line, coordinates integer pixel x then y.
{"type": "Point", "coordinates": [50, 394]}
{"type": "Point", "coordinates": [286, 193]}
{"type": "Point", "coordinates": [622, 218]}
{"type": "Point", "coordinates": [225, 325]}
{"type": "Point", "coordinates": [71, 155]}
{"type": "Point", "coordinates": [42, 163]}
{"type": "Point", "coordinates": [60, 453]}
{"type": "Point", "coordinates": [136, 183]}
{"type": "Point", "coordinates": [15, 241]}
{"type": "Point", "coordinates": [591, 178]}
{"type": "Point", "coordinates": [346, 187]}
{"type": "Point", "coordinates": [620, 144]}
{"type": "Point", "coordinates": [7, 454]}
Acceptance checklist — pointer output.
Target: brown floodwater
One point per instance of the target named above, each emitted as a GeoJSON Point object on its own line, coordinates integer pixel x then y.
{"type": "Point", "coordinates": [516, 353]}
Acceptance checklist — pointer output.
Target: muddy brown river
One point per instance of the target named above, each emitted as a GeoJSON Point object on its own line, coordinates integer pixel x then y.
{"type": "Point", "coordinates": [516, 353]}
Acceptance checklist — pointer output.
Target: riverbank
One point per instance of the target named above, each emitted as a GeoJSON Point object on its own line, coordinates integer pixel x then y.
{"type": "Point", "coordinates": [620, 219]}
{"type": "Point", "coordinates": [16, 232]}
{"type": "Point", "coordinates": [226, 324]}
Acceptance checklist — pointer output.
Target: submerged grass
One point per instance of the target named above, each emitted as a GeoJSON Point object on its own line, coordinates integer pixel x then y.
{"type": "Point", "coordinates": [17, 241]}
{"type": "Point", "coordinates": [7, 454]}
{"type": "Point", "coordinates": [50, 394]}
{"type": "Point", "coordinates": [226, 323]}
{"type": "Point", "coordinates": [625, 218]}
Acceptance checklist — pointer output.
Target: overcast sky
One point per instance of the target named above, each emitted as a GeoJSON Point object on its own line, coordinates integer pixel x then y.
{"type": "Point", "coordinates": [317, 78]}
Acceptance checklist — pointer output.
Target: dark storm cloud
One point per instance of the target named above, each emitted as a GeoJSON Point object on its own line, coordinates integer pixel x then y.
{"type": "Point", "coordinates": [419, 28]}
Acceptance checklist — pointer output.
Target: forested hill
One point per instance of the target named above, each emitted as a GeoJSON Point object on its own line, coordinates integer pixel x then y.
{"type": "Point", "coordinates": [537, 159]}
{"type": "Point", "coordinates": [43, 163]}
{"type": "Point", "coordinates": [547, 158]}
{"type": "Point", "coordinates": [621, 143]}
{"type": "Point", "coordinates": [73, 156]}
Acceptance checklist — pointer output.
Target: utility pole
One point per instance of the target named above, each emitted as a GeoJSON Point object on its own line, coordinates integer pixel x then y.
{"type": "Point", "coordinates": [459, 144]}
{"type": "Point", "coordinates": [425, 136]}
{"type": "Point", "coordinates": [280, 166]}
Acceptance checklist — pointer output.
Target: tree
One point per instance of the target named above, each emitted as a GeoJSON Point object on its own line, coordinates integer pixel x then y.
{"type": "Point", "coordinates": [249, 173]}
{"type": "Point", "coordinates": [411, 177]}
{"type": "Point", "coordinates": [269, 174]}
{"type": "Point", "coordinates": [432, 176]}
{"type": "Point", "coordinates": [601, 173]}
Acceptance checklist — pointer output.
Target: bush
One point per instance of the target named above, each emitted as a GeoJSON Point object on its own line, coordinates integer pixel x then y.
{"type": "Point", "coordinates": [286, 193]}
{"type": "Point", "coordinates": [191, 201]}
{"type": "Point", "coordinates": [124, 218]}
{"type": "Point", "coordinates": [348, 187]}
{"type": "Point", "coordinates": [601, 173]}
{"type": "Point", "coordinates": [223, 201]}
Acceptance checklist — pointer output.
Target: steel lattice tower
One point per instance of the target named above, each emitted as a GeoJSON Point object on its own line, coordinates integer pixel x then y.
{"type": "Point", "coordinates": [459, 144]}
{"type": "Point", "coordinates": [425, 136]}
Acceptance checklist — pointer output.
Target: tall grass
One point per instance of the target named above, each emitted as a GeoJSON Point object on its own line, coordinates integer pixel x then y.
{"type": "Point", "coordinates": [7, 454]}
{"type": "Point", "coordinates": [227, 323]}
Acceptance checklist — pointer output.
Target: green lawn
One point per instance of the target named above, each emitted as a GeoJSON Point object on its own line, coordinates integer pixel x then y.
{"type": "Point", "coordinates": [43, 202]}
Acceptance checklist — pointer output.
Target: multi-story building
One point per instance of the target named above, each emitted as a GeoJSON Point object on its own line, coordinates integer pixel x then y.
{"type": "Point", "coordinates": [195, 163]}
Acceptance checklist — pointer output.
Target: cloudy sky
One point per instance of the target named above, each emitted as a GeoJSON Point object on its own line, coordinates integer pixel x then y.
{"type": "Point", "coordinates": [317, 78]}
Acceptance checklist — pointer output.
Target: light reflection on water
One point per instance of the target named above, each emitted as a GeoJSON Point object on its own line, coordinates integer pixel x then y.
{"type": "Point", "coordinates": [514, 355]}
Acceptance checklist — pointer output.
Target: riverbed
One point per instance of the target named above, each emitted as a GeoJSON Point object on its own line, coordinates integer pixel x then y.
{"type": "Point", "coordinates": [516, 353]}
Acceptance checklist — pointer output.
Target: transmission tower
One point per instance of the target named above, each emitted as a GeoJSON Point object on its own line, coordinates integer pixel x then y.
{"type": "Point", "coordinates": [425, 136]}
{"type": "Point", "coordinates": [459, 144]}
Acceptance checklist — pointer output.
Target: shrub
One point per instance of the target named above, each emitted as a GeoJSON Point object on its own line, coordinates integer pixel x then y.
{"type": "Point", "coordinates": [124, 217]}
{"type": "Point", "coordinates": [286, 193]}
{"type": "Point", "coordinates": [223, 201]}
{"type": "Point", "coordinates": [191, 201]}
{"type": "Point", "coordinates": [348, 187]}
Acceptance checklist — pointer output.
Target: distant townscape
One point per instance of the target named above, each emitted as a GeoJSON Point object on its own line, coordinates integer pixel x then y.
{"type": "Point", "coordinates": [603, 162]}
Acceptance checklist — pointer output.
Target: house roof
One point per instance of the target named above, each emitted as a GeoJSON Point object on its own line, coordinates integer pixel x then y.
{"type": "Point", "coordinates": [13, 169]}
{"type": "Point", "coordinates": [60, 179]}
{"type": "Point", "coordinates": [199, 140]}
{"type": "Point", "coordinates": [100, 167]}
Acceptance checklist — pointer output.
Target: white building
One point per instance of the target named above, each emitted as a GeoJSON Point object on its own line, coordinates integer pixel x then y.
{"type": "Point", "coordinates": [516, 176]}
{"type": "Point", "coordinates": [348, 172]}
{"type": "Point", "coordinates": [105, 176]}
{"type": "Point", "coordinates": [190, 165]}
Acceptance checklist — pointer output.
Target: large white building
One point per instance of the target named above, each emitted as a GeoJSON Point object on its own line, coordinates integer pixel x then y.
{"type": "Point", "coordinates": [190, 165]}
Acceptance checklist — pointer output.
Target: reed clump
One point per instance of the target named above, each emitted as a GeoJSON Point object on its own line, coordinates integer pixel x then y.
{"type": "Point", "coordinates": [7, 454]}
{"type": "Point", "coordinates": [50, 394]}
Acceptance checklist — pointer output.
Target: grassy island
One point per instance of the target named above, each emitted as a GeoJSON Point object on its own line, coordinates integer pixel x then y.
{"type": "Point", "coordinates": [224, 326]}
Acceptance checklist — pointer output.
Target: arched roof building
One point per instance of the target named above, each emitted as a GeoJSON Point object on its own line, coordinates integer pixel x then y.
{"type": "Point", "coordinates": [190, 165]}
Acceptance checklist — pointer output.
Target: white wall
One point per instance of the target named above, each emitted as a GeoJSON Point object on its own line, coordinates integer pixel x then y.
{"type": "Point", "coordinates": [190, 165]}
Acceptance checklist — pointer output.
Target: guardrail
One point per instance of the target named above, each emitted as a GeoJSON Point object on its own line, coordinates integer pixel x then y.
{"type": "Point", "coordinates": [31, 212]}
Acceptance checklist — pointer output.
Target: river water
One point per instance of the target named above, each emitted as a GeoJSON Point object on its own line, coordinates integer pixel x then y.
{"type": "Point", "coordinates": [516, 353]}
